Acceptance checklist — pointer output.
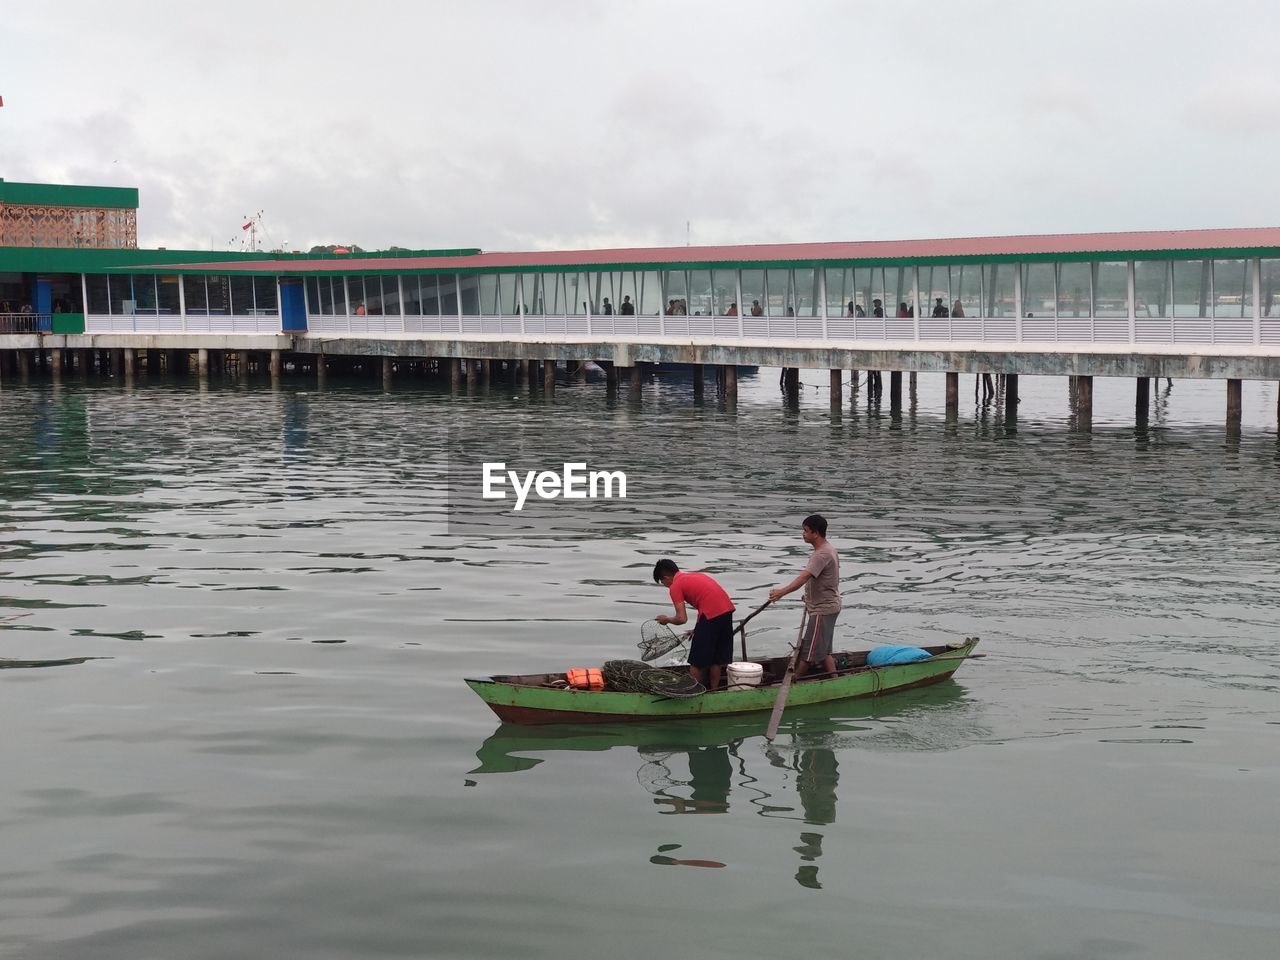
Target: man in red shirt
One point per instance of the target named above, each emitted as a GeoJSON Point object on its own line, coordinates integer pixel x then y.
{"type": "Point", "coordinates": [712, 645]}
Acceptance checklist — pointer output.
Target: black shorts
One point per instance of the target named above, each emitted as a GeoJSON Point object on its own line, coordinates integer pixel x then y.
{"type": "Point", "coordinates": [712, 641]}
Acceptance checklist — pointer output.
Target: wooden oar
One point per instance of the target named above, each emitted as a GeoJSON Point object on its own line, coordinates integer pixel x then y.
{"type": "Point", "coordinates": [741, 628]}
{"type": "Point", "coordinates": [781, 702]}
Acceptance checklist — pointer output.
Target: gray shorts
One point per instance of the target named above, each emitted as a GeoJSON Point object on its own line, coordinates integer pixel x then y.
{"type": "Point", "coordinates": [815, 639]}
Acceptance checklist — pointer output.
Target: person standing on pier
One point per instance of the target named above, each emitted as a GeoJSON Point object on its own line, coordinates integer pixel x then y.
{"type": "Point", "coordinates": [628, 309]}
{"type": "Point", "coordinates": [821, 581]}
{"type": "Point", "coordinates": [712, 646]}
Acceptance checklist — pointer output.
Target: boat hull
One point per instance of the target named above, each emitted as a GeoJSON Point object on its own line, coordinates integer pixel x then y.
{"type": "Point", "coordinates": [528, 703]}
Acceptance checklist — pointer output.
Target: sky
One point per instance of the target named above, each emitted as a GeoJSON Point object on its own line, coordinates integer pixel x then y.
{"type": "Point", "coordinates": [566, 124]}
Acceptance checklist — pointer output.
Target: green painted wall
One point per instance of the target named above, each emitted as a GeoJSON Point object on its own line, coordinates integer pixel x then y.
{"type": "Point", "coordinates": [68, 195]}
{"type": "Point", "coordinates": [68, 323]}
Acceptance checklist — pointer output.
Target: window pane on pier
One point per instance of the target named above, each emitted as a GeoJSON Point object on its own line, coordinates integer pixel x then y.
{"type": "Point", "coordinates": [627, 288]}
{"type": "Point", "coordinates": [1153, 288]}
{"type": "Point", "coordinates": [782, 302]}
{"type": "Point", "coordinates": [862, 294]}
{"type": "Point", "coordinates": [448, 286]}
{"type": "Point", "coordinates": [1270, 288]}
{"type": "Point", "coordinates": [725, 288]}
{"type": "Point", "coordinates": [839, 290]}
{"type": "Point", "coordinates": [893, 287]}
{"type": "Point", "coordinates": [428, 288]}
{"type": "Point", "coordinates": [753, 298]}
{"type": "Point", "coordinates": [120, 292]}
{"type": "Point", "coordinates": [935, 283]}
{"type": "Point", "coordinates": [219, 289]}
{"type": "Point", "coordinates": [1074, 294]}
{"type": "Point", "coordinates": [535, 295]}
{"type": "Point", "coordinates": [167, 296]}
{"type": "Point", "coordinates": [412, 303]}
{"type": "Point", "coordinates": [700, 292]}
{"type": "Point", "coordinates": [998, 291]}
{"type": "Point", "coordinates": [144, 292]}
{"type": "Point", "coordinates": [390, 295]}
{"type": "Point", "coordinates": [197, 301]}
{"type": "Point", "coordinates": [808, 295]}
{"type": "Point", "coordinates": [312, 286]}
{"type": "Point", "coordinates": [373, 296]}
{"type": "Point", "coordinates": [1037, 289]}
{"type": "Point", "coordinates": [1191, 285]}
{"type": "Point", "coordinates": [966, 289]}
{"type": "Point", "coordinates": [242, 296]}
{"type": "Point", "coordinates": [355, 295]}
{"type": "Point", "coordinates": [676, 290]}
{"type": "Point", "coordinates": [489, 294]}
{"type": "Point", "coordinates": [469, 290]}
{"type": "Point", "coordinates": [508, 294]}
{"type": "Point", "coordinates": [1233, 288]}
{"type": "Point", "coordinates": [1111, 289]}
{"type": "Point", "coordinates": [551, 293]}
{"type": "Point", "coordinates": [650, 303]}
{"type": "Point", "coordinates": [575, 293]}
{"type": "Point", "coordinates": [266, 295]}
{"type": "Point", "coordinates": [99, 295]}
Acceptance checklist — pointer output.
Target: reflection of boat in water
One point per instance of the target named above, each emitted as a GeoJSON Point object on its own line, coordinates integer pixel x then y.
{"type": "Point", "coordinates": [512, 747]}
{"type": "Point", "coordinates": [544, 697]}
{"type": "Point", "coordinates": [711, 767]}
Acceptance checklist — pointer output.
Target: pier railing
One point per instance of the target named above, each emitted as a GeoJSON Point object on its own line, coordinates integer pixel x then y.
{"type": "Point", "coordinates": [1030, 330]}
{"type": "Point", "coordinates": [25, 322]}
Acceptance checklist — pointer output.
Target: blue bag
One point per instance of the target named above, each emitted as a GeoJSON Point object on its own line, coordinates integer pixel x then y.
{"type": "Point", "coordinates": [885, 655]}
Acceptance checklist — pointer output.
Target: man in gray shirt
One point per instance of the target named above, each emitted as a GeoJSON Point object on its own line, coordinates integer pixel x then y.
{"type": "Point", "coordinates": [821, 581]}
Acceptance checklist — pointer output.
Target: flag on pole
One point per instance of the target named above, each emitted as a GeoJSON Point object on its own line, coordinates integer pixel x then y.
{"type": "Point", "coordinates": [247, 225]}
{"type": "Point", "coordinates": [1, 101]}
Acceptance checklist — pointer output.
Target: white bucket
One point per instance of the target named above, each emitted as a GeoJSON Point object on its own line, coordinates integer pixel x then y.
{"type": "Point", "coordinates": [743, 675]}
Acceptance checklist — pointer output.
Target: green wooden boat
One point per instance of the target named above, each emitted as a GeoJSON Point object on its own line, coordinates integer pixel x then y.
{"type": "Point", "coordinates": [544, 698]}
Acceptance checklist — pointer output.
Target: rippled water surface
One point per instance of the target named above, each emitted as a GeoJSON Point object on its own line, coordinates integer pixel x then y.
{"type": "Point", "coordinates": [259, 743]}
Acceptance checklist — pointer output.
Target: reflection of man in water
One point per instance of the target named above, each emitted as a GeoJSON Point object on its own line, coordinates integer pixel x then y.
{"type": "Point", "coordinates": [817, 774]}
{"type": "Point", "coordinates": [709, 774]}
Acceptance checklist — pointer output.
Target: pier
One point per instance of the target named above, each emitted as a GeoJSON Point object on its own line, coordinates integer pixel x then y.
{"type": "Point", "coordinates": [1198, 304]}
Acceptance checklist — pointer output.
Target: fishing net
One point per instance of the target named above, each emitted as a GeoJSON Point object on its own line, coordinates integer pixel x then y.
{"type": "Point", "coordinates": [635, 676]}
{"type": "Point", "coordinates": [656, 639]}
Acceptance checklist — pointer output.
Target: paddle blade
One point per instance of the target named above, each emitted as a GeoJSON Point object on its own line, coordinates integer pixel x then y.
{"type": "Point", "coordinates": [780, 704]}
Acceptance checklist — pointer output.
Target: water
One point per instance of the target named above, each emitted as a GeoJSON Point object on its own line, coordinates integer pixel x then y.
{"type": "Point", "coordinates": [275, 754]}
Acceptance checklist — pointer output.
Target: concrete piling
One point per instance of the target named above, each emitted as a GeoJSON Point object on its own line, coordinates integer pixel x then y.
{"type": "Point", "coordinates": [895, 389]}
{"type": "Point", "coordinates": [730, 381]}
{"type": "Point", "coordinates": [953, 395]}
{"type": "Point", "coordinates": [1142, 399]}
{"type": "Point", "coordinates": [1234, 405]}
{"type": "Point", "coordinates": [1084, 403]}
{"type": "Point", "coordinates": [837, 388]}
{"type": "Point", "coordinates": [698, 385]}
{"type": "Point", "coordinates": [1011, 397]}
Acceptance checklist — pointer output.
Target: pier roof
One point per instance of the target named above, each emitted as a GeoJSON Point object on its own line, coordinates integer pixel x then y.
{"type": "Point", "coordinates": [1154, 244]}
